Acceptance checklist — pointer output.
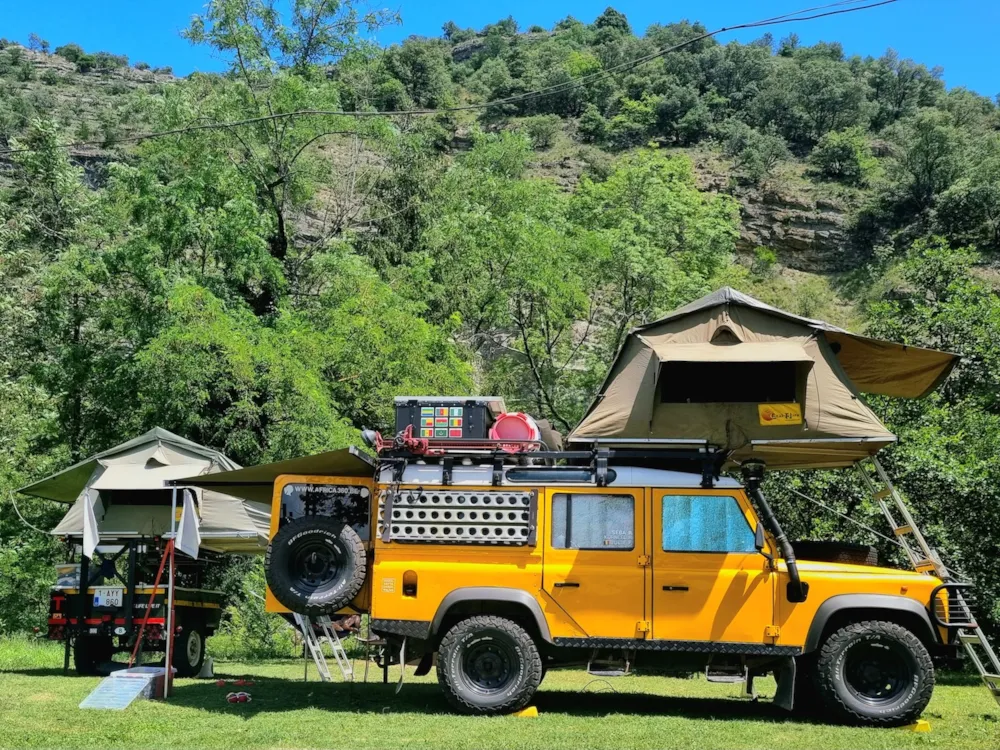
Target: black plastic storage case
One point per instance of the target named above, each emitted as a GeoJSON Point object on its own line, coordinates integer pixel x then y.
{"type": "Point", "coordinates": [448, 417]}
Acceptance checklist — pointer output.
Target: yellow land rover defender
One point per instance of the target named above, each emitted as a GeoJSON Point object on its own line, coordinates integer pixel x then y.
{"type": "Point", "coordinates": [495, 567]}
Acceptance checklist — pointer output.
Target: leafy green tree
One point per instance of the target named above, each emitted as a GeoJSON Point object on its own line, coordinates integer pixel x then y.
{"type": "Point", "coordinates": [542, 130]}
{"type": "Point", "coordinates": [844, 155]}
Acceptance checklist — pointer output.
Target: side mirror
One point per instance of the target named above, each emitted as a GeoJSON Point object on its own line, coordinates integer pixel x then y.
{"type": "Point", "coordinates": [759, 543]}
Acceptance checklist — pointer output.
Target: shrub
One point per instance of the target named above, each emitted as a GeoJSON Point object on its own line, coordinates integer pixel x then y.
{"type": "Point", "coordinates": [86, 63]}
{"type": "Point", "coordinates": [754, 153]}
{"type": "Point", "coordinates": [164, 70]}
{"type": "Point", "coordinates": [106, 61]}
{"type": "Point", "coordinates": [844, 155]}
{"type": "Point", "coordinates": [542, 130]}
{"type": "Point", "coordinates": [593, 126]}
{"type": "Point", "coordinates": [37, 44]}
{"type": "Point", "coordinates": [142, 66]}
{"type": "Point", "coordinates": [71, 52]}
{"type": "Point", "coordinates": [25, 71]}
{"type": "Point", "coordinates": [50, 77]}
{"type": "Point", "coordinates": [15, 54]}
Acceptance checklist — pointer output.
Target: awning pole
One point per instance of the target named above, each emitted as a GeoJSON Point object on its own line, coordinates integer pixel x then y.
{"type": "Point", "coordinates": [170, 595]}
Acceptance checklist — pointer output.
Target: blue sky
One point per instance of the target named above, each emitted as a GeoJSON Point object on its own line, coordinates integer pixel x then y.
{"type": "Point", "coordinates": [959, 35]}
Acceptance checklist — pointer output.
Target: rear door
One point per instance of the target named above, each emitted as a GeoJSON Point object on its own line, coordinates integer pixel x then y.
{"type": "Point", "coordinates": [709, 582]}
{"type": "Point", "coordinates": [594, 556]}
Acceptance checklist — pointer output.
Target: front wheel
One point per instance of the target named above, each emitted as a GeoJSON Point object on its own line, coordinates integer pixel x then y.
{"type": "Point", "coordinates": [488, 665]}
{"type": "Point", "coordinates": [874, 673]}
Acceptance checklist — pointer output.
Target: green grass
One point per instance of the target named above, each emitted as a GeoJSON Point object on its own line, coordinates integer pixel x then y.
{"type": "Point", "coordinates": [38, 708]}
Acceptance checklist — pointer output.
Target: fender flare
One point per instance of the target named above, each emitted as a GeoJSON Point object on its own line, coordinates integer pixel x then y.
{"type": "Point", "coordinates": [846, 602]}
{"type": "Point", "coordinates": [492, 594]}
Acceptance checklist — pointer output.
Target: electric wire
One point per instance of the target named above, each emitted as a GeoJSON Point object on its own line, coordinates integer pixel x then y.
{"type": "Point", "coordinates": [830, 9]}
{"type": "Point", "coordinates": [846, 517]}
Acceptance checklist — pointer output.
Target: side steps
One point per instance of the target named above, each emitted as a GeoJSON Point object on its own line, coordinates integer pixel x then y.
{"type": "Point", "coordinates": [726, 673]}
{"type": "Point", "coordinates": [925, 559]}
{"type": "Point", "coordinates": [314, 645]}
{"type": "Point", "coordinates": [609, 664]}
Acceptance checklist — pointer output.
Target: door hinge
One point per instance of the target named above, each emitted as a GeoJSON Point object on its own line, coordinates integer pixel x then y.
{"type": "Point", "coordinates": [643, 626]}
{"type": "Point", "coordinates": [772, 631]}
{"type": "Point", "coordinates": [644, 561]}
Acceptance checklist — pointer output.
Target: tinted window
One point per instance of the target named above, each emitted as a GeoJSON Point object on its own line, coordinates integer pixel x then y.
{"type": "Point", "coordinates": [587, 521]}
{"type": "Point", "coordinates": [731, 382]}
{"type": "Point", "coordinates": [705, 523]}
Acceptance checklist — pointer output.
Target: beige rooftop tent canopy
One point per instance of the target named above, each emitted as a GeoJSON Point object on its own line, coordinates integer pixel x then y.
{"type": "Point", "coordinates": [127, 486]}
{"type": "Point", "coordinates": [731, 371]}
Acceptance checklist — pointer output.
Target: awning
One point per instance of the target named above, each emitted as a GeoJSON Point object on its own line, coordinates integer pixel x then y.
{"type": "Point", "coordinates": [750, 352]}
{"type": "Point", "coordinates": [255, 482]}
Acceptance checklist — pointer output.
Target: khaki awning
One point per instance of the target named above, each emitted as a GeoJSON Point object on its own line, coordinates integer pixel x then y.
{"type": "Point", "coordinates": [255, 482]}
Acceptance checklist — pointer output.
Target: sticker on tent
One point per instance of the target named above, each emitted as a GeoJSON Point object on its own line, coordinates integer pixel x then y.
{"type": "Point", "coordinates": [779, 414]}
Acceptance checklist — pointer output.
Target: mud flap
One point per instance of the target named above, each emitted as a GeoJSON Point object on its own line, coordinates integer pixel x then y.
{"type": "Point", "coordinates": [424, 667]}
{"type": "Point", "coordinates": [784, 674]}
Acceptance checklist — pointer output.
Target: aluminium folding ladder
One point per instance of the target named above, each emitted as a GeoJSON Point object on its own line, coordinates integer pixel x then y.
{"type": "Point", "coordinates": [314, 645]}
{"type": "Point", "coordinates": [925, 559]}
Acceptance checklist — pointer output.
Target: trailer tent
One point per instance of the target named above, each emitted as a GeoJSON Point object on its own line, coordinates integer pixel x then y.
{"type": "Point", "coordinates": [731, 371]}
{"type": "Point", "coordinates": [127, 486]}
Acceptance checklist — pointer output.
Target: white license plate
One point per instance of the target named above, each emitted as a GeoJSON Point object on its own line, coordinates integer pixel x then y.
{"type": "Point", "coordinates": [110, 596]}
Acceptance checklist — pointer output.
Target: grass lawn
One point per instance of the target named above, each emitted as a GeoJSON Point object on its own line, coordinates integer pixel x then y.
{"type": "Point", "coordinates": [38, 708]}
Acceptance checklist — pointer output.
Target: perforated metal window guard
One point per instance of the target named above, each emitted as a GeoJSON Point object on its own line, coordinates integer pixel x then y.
{"type": "Point", "coordinates": [436, 516]}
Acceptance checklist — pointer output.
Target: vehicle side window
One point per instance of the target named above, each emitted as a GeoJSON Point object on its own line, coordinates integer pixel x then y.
{"type": "Point", "coordinates": [586, 521]}
{"type": "Point", "coordinates": [705, 523]}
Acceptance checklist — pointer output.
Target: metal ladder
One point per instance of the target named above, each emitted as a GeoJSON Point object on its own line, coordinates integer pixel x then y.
{"type": "Point", "coordinates": [314, 645]}
{"type": "Point", "coordinates": [925, 559]}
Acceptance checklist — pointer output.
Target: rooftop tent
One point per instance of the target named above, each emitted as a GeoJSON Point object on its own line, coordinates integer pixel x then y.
{"type": "Point", "coordinates": [255, 483]}
{"type": "Point", "coordinates": [127, 484]}
{"type": "Point", "coordinates": [731, 371]}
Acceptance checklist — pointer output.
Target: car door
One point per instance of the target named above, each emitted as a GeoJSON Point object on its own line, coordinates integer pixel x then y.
{"type": "Point", "coordinates": [709, 581]}
{"type": "Point", "coordinates": [594, 558]}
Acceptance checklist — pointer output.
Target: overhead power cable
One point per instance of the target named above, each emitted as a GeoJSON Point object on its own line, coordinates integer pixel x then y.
{"type": "Point", "coordinates": [805, 14]}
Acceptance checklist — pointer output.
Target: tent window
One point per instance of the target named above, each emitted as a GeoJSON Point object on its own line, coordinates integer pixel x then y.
{"type": "Point", "coordinates": [728, 382]}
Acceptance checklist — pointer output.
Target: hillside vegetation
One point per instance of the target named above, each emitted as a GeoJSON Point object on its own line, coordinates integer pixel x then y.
{"type": "Point", "coordinates": [267, 288]}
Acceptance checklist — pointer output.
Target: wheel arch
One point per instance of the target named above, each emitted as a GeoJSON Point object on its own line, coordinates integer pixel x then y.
{"type": "Point", "coordinates": [478, 600]}
{"type": "Point", "coordinates": [842, 609]}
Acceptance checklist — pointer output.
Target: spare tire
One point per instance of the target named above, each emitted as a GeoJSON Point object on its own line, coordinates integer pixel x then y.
{"type": "Point", "coordinates": [835, 552]}
{"type": "Point", "coordinates": [315, 565]}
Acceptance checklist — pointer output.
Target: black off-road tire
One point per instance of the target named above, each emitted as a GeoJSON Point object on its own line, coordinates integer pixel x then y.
{"type": "Point", "coordinates": [90, 652]}
{"type": "Point", "coordinates": [480, 651]}
{"type": "Point", "coordinates": [189, 651]}
{"type": "Point", "coordinates": [315, 565]}
{"type": "Point", "coordinates": [845, 661]}
{"type": "Point", "coordinates": [835, 552]}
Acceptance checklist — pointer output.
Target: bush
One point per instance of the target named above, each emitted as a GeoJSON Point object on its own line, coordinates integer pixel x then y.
{"type": "Point", "coordinates": [71, 52]}
{"type": "Point", "coordinates": [164, 70]}
{"type": "Point", "coordinates": [106, 61]}
{"type": "Point", "coordinates": [86, 63]}
{"type": "Point", "coordinates": [142, 66]}
{"type": "Point", "coordinates": [50, 77]}
{"type": "Point", "coordinates": [844, 155]}
{"type": "Point", "coordinates": [25, 71]}
{"type": "Point", "coordinates": [542, 130]}
{"type": "Point", "coordinates": [593, 126]}
{"type": "Point", "coordinates": [754, 154]}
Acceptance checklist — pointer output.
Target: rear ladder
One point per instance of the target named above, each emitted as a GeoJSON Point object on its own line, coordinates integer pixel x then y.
{"type": "Point", "coordinates": [314, 645]}
{"type": "Point", "coordinates": [925, 559]}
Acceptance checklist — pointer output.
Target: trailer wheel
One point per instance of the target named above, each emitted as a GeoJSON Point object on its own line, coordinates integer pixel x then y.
{"type": "Point", "coordinates": [315, 565]}
{"type": "Point", "coordinates": [90, 652]}
{"type": "Point", "coordinates": [189, 651]}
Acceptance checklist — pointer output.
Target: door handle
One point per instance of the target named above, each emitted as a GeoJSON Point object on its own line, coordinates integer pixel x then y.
{"type": "Point", "coordinates": [675, 588]}
{"type": "Point", "coordinates": [566, 585]}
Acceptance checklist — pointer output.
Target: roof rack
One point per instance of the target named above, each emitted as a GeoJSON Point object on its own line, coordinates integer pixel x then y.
{"type": "Point", "coordinates": [708, 458]}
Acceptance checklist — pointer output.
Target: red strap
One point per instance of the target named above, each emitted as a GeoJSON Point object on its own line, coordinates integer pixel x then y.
{"type": "Point", "coordinates": [149, 606]}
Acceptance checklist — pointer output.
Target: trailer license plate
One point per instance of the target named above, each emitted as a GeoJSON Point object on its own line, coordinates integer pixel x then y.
{"type": "Point", "coordinates": [108, 596]}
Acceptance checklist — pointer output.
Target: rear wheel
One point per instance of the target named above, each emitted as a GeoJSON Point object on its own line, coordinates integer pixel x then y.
{"type": "Point", "coordinates": [90, 652]}
{"type": "Point", "coordinates": [315, 565]}
{"type": "Point", "coordinates": [488, 665]}
{"type": "Point", "coordinates": [189, 651]}
{"type": "Point", "coordinates": [874, 673]}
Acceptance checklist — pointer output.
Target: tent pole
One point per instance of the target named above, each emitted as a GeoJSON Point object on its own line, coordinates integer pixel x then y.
{"type": "Point", "coordinates": [170, 595]}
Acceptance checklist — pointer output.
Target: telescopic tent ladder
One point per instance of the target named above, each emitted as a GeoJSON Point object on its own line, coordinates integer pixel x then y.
{"type": "Point", "coordinates": [925, 559]}
{"type": "Point", "coordinates": [314, 645]}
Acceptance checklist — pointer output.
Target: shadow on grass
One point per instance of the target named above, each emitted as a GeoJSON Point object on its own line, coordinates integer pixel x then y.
{"type": "Point", "coordinates": [277, 695]}
{"type": "Point", "coordinates": [39, 672]}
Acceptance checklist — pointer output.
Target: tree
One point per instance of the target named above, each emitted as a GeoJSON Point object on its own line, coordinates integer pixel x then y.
{"type": "Point", "coordinates": [613, 19]}
{"type": "Point", "coordinates": [37, 44]}
{"type": "Point", "coordinates": [844, 155]}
